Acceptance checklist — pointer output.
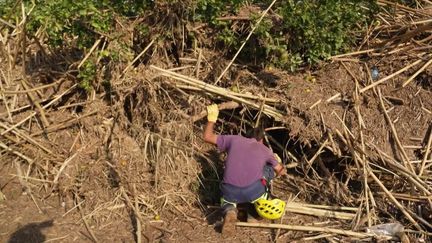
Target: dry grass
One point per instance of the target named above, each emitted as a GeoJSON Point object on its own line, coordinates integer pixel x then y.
{"type": "Point", "coordinates": [142, 151]}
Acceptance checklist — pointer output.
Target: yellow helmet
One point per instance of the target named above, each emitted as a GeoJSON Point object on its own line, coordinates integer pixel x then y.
{"type": "Point", "coordinates": [270, 209]}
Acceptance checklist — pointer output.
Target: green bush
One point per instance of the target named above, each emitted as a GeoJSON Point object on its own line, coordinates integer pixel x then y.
{"type": "Point", "coordinates": [309, 31]}
{"type": "Point", "coordinates": [63, 20]}
{"type": "Point", "coordinates": [300, 31]}
{"type": "Point", "coordinates": [320, 28]}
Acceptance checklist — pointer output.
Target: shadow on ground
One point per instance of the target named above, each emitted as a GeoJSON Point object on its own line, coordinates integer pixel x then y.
{"type": "Point", "coordinates": [30, 233]}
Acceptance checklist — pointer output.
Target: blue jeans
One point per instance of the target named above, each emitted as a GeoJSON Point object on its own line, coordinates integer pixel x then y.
{"type": "Point", "coordinates": [231, 195]}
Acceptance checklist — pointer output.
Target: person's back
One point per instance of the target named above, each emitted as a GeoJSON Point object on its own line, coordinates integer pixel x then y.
{"type": "Point", "coordinates": [246, 158]}
{"type": "Point", "coordinates": [246, 174]}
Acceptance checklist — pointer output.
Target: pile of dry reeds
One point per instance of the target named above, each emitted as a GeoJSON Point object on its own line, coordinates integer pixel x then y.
{"type": "Point", "coordinates": [144, 144]}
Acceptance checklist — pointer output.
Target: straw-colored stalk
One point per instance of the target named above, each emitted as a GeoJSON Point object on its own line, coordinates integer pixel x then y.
{"type": "Point", "coordinates": [306, 228]}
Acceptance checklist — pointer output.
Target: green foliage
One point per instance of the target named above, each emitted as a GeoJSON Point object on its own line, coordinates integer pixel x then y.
{"type": "Point", "coordinates": [320, 28]}
{"type": "Point", "coordinates": [86, 75]}
{"type": "Point", "coordinates": [309, 31]}
{"type": "Point", "coordinates": [63, 20]}
{"type": "Point", "coordinates": [209, 10]}
{"type": "Point", "coordinates": [295, 32]}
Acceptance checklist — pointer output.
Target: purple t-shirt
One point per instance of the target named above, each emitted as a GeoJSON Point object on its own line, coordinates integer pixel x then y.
{"type": "Point", "coordinates": [245, 160]}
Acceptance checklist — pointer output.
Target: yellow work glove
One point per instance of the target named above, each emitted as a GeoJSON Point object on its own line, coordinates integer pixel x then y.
{"type": "Point", "coordinates": [278, 159]}
{"type": "Point", "coordinates": [212, 113]}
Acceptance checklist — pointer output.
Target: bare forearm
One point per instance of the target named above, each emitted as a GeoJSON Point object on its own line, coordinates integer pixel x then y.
{"type": "Point", "coordinates": [280, 170]}
{"type": "Point", "coordinates": [209, 135]}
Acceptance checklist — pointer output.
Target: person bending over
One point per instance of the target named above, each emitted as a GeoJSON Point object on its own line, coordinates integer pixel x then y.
{"type": "Point", "coordinates": [249, 167]}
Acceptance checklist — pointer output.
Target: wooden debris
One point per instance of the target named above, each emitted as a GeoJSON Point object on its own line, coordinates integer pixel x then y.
{"type": "Point", "coordinates": [307, 228]}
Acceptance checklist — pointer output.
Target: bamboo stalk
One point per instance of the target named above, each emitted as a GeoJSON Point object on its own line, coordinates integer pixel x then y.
{"type": "Point", "coordinates": [138, 222]}
{"type": "Point", "coordinates": [318, 152]}
{"type": "Point", "coordinates": [426, 155]}
{"type": "Point", "coordinates": [318, 212]}
{"type": "Point", "coordinates": [323, 206]}
{"type": "Point", "coordinates": [90, 52]}
{"type": "Point", "coordinates": [5, 101]}
{"type": "Point", "coordinates": [8, 149]}
{"type": "Point", "coordinates": [32, 89]}
{"type": "Point", "coordinates": [226, 105]}
{"type": "Point", "coordinates": [410, 176]}
{"type": "Point", "coordinates": [34, 113]}
{"type": "Point", "coordinates": [417, 73]}
{"type": "Point", "coordinates": [408, 197]}
{"type": "Point", "coordinates": [26, 137]}
{"type": "Point", "coordinates": [395, 135]}
{"type": "Point", "coordinates": [390, 76]}
{"type": "Point", "coordinates": [306, 228]}
{"type": "Point", "coordinates": [138, 57]}
{"type": "Point", "coordinates": [358, 158]}
{"type": "Point", "coordinates": [36, 103]}
{"type": "Point", "coordinates": [63, 166]}
{"type": "Point", "coordinates": [247, 96]}
{"type": "Point", "coordinates": [198, 64]}
{"type": "Point", "coordinates": [92, 235]}
{"type": "Point", "coordinates": [400, 206]}
{"type": "Point", "coordinates": [220, 91]}
{"type": "Point", "coordinates": [386, 191]}
{"type": "Point", "coordinates": [244, 42]}
{"type": "Point", "coordinates": [196, 85]}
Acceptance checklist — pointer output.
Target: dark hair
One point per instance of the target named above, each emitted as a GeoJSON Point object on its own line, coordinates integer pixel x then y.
{"type": "Point", "coordinates": [256, 132]}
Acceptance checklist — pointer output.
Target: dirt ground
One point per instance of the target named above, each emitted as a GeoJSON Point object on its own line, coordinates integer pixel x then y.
{"type": "Point", "coordinates": [48, 220]}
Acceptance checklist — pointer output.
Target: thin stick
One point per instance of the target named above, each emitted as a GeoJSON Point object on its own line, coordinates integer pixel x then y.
{"type": "Point", "coordinates": [33, 89]}
{"type": "Point", "coordinates": [315, 104]}
{"type": "Point", "coordinates": [198, 64]}
{"type": "Point", "coordinates": [361, 126]}
{"type": "Point", "coordinates": [34, 113]}
{"type": "Point", "coordinates": [36, 103]}
{"type": "Point", "coordinates": [318, 212]}
{"type": "Point", "coordinates": [417, 73]}
{"type": "Point", "coordinates": [129, 203]}
{"type": "Point", "coordinates": [56, 239]}
{"type": "Point", "coordinates": [93, 237]}
{"type": "Point", "coordinates": [310, 162]}
{"type": "Point", "coordinates": [64, 124]}
{"type": "Point", "coordinates": [426, 155]}
{"type": "Point", "coordinates": [223, 106]}
{"type": "Point", "coordinates": [4, 98]}
{"type": "Point", "coordinates": [394, 200]}
{"type": "Point", "coordinates": [63, 166]}
{"type": "Point", "coordinates": [391, 76]}
{"type": "Point", "coordinates": [138, 57]}
{"type": "Point", "coordinates": [248, 96]}
{"type": "Point", "coordinates": [394, 132]}
{"type": "Point", "coordinates": [355, 53]}
{"type": "Point", "coordinates": [244, 43]}
{"type": "Point", "coordinates": [90, 52]}
{"type": "Point", "coordinates": [24, 51]}
{"type": "Point", "coordinates": [7, 23]}
{"type": "Point", "coordinates": [70, 210]}
{"type": "Point", "coordinates": [7, 148]}
{"type": "Point", "coordinates": [138, 222]}
{"type": "Point", "coordinates": [306, 228]}
{"type": "Point", "coordinates": [316, 237]}
{"type": "Point", "coordinates": [386, 191]}
{"type": "Point", "coordinates": [353, 209]}
{"type": "Point", "coordinates": [26, 137]}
